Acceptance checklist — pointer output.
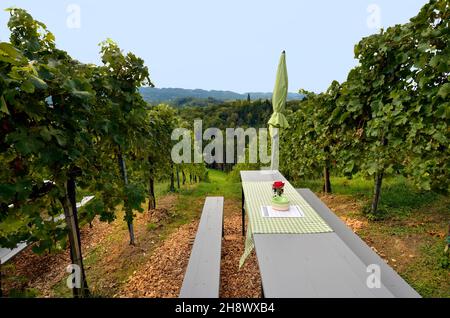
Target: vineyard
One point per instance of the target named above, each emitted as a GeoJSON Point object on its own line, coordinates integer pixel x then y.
{"type": "Point", "coordinates": [391, 115]}
{"type": "Point", "coordinates": [68, 127]}
{"type": "Point", "coordinates": [70, 130]}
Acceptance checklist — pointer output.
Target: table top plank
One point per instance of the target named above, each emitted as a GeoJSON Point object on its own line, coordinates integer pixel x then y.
{"type": "Point", "coordinates": [261, 175]}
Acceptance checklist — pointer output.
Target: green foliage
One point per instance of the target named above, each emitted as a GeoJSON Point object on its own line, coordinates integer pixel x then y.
{"type": "Point", "coordinates": [162, 120]}
{"type": "Point", "coordinates": [235, 173]}
{"type": "Point", "coordinates": [444, 261]}
{"type": "Point", "coordinates": [61, 120]}
{"type": "Point", "coordinates": [181, 97]}
{"type": "Point", "coordinates": [26, 293]}
{"type": "Point", "coordinates": [311, 140]}
{"type": "Point", "coordinates": [233, 114]}
{"type": "Point", "coordinates": [122, 127]}
{"type": "Point", "coordinates": [389, 117]}
{"type": "Point", "coordinates": [47, 99]}
{"type": "Point", "coordinates": [152, 226]}
{"type": "Point", "coordinates": [194, 102]}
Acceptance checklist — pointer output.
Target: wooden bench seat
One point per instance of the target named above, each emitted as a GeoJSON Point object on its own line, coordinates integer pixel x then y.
{"type": "Point", "coordinates": [202, 277]}
{"type": "Point", "coordinates": [396, 285]}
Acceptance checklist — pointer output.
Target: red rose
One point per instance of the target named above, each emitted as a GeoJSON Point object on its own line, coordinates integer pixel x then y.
{"type": "Point", "coordinates": [278, 185]}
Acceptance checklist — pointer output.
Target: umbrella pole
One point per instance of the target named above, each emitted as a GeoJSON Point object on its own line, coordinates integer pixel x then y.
{"type": "Point", "coordinates": [274, 163]}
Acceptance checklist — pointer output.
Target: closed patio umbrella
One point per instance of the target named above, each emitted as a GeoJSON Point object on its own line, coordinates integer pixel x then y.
{"type": "Point", "coordinates": [278, 120]}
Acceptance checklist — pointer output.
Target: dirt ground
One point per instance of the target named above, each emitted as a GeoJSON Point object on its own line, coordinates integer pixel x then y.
{"type": "Point", "coordinates": [107, 257]}
{"type": "Point", "coordinates": [399, 251]}
{"type": "Point", "coordinates": [41, 272]}
{"type": "Point", "coordinates": [163, 274]}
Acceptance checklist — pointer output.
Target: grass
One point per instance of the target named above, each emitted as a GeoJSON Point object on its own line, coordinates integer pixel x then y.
{"type": "Point", "coordinates": [427, 274]}
{"type": "Point", "coordinates": [152, 226]}
{"type": "Point", "coordinates": [191, 199]}
{"type": "Point", "coordinates": [398, 197]}
{"type": "Point", "coordinates": [218, 185]}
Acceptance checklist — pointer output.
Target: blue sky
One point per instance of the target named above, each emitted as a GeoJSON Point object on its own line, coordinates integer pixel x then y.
{"type": "Point", "coordinates": [225, 45]}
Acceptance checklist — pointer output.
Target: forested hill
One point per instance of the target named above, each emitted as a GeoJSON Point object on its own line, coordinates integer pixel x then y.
{"type": "Point", "coordinates": [189, 97]}
{"type": "Point", "coordinates": [234, 114]}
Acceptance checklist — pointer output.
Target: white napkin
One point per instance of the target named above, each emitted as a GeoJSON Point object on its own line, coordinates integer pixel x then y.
{"type": "Point", "coordinates": [294, 212]}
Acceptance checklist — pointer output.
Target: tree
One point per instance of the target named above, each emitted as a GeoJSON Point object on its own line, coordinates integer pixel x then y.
{"type": "Point", "coordinates": [314, 142]}
{"type": "Point", "coordinates": [60, 123]}
{"type": "Point", "coordinates": [125, 74]}
{"type": "Point", "coordinates": [299, 155]}
{"type": "Point", "coordinates": [428, 135]}
{"type": "Point", "coordinates": [48, 137]}
{"type": "Point", "coordinates": [162, 120]}
{"type": "Point", "coordinates": [397, 93]}
{"type": "Point", "coordinates": [391, 114]}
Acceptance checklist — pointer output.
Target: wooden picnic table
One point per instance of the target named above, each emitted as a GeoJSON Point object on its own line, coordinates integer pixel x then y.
{"type": "Point", "coordinates": [336, 263]}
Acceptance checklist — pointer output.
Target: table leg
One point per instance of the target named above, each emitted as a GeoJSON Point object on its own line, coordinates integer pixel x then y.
{"type": "Point", "coordinates": [243, 213]}
{"type": "Point", "coordinates": [1, 293]}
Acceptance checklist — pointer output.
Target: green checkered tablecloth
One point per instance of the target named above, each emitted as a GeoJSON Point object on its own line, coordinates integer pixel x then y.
{"type": "Point", "coordinates": [258, 194]}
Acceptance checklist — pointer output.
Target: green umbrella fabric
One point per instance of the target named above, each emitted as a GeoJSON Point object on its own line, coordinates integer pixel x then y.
{"type": "Point", "coordinates": [280, 91]}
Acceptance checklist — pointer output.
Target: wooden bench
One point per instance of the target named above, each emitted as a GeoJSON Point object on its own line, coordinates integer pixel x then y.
{"type": "Point", "coordinates": [202, 277]}
{"type": "Point", "coordinates": [392, 281]}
